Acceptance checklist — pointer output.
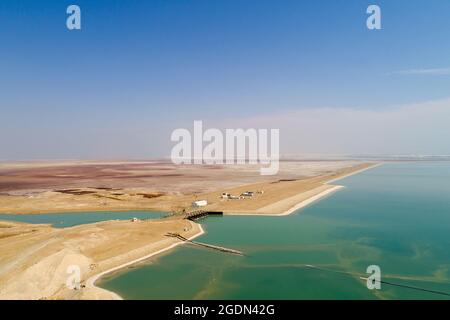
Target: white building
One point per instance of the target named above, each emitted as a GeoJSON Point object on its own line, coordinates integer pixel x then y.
{"type": "Point", "coordinates": [199, 203]}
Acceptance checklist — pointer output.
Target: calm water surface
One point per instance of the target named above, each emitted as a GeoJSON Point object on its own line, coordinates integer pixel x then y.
{"type": "Point", "coordinates": [396, 216]}
{"type": "Point", "coordinates": [62, 220]}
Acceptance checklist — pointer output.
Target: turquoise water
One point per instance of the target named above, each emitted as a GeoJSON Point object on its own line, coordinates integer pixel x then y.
{"type": "Point", "coordinates": [396, 216]}
{"type": "Point", "coordinates": [63, 220]}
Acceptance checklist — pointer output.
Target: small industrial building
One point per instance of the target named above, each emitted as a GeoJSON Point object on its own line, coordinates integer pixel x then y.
{"type": "Point", "coordinates": [199, 203]}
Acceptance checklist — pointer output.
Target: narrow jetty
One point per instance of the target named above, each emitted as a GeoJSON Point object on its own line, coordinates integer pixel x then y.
{"type": "Point", "coordinates": [205, 245]}
{"type": "Point", "coordinates": [198, 214]}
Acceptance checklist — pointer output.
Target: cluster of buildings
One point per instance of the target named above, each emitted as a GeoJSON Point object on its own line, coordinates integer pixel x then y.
{"type": "Point", "coordinates": [226, 195]}
{"type": "Point", "coordinates": [243, 195]}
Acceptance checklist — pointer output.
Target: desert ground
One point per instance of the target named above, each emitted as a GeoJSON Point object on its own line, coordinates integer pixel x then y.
{"type": "Point", "coordinates": [34, 258]}
{"type": "Point", "coordinates": [45, 187]}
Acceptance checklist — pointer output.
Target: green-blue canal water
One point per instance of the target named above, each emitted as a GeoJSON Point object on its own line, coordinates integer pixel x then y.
{"type": "Point", "coordinates": [63, 220]}
{"type": "Point", "coordinates": [396, 216]}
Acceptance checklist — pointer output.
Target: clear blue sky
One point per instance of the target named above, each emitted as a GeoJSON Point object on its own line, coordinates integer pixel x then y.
{"type": "Point", "coordinates": [138, 65]}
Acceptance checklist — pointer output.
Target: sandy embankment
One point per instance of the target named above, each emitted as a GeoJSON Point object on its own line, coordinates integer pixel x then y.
{"type": "Point", "coordinates": [300, 201]}
{"type": "Point", "coordinates": [282, 197]}
{"type": "Point", "coordinates": [35, 258]}
{"type": "Point", "coordinates": [93, 289]}
{"type": "Point", "coordinates": [306, 198]}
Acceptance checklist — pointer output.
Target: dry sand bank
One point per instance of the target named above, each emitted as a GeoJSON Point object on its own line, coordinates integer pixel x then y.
{"type": "Point", "coordinates": [99, 292]}
{"type": "Point", "coordinates": [281, 196]}
{"type": "Point", "coordinates": [296, 202]}
{"type": "Point", "coordinates": [34, 258]}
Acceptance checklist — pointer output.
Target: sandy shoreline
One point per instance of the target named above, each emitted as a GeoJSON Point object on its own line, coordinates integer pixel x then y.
{"type": "Point", "coordinates": [35, 258]}
{"type": "Point", "coordinates": [314, 197]}
{"type": "Point", "coordinates": [90, 282]}
{"type": "Point", "coordinates": [296, 207]}
{"type": "Point", "coordinates": [300, 205]}
{"type": "Point", "coordinates": [373, 166]}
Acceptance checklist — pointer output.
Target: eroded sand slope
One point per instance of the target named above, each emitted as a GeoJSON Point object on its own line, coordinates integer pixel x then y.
{"type": "Point", "coordinates": [34, 259]}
